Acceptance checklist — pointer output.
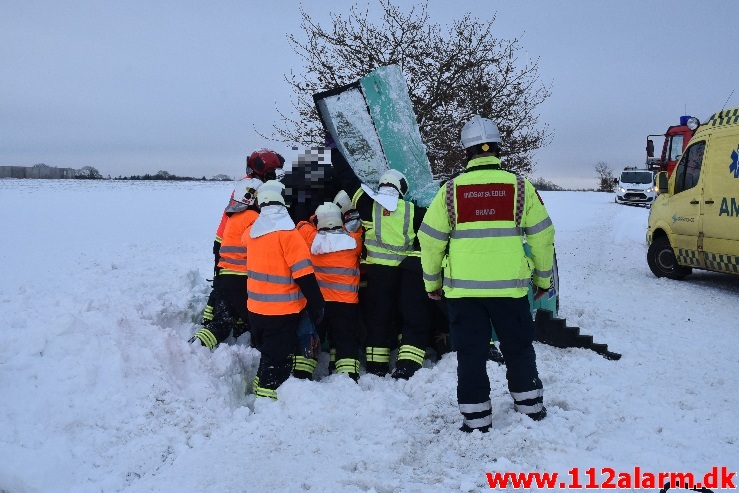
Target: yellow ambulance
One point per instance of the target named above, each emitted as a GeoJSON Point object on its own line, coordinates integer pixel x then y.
{"type": "Point", "coordinates": [694, 223]}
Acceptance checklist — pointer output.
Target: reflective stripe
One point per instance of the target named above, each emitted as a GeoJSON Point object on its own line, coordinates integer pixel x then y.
{"type": "Point", "coordinates": [356, 196]}
{"type": "Point", "coordinates": [304, 364]}
{"type": "Point", "coordinates": [406, 225]}
{"type": "Point", "coordinates": [344, 271]}
{"type": "Point", "coordinates": [504, 284]}
{"type": "Point", "coordinates": [486, 233]}
{"type": "Point", "coordinates": [275, 297]}
{"type": "Point", "coordinates": [384, 256]}
{"type": "Point", "coordinates": [479, 422]}
{"type": "Point", "coordinates": [232, 261]}
{"type": "Point", "coordinates": [530, 394]}
{"type": "Point", "coordinates": [431, 277]}
{"type": "Point", "coordinates": [207, 338]}
{"type": "Point", "coordinates": [347, 365]}
{"type": "Point", "coordinates": [378, 354]}
{"type": "Point", "coordinates": [539, 227]}
{"type": "Point", "coordinates": [411, 353]}
{"type": "Point", "coordinates": [225, 271]}
{"type": "Point", "coordinates": [385, 246]}
{"type": "Point", "coordinates": [259, 276]}
{"type": "Point", "coordinates": [543, 273]}
{"type": "Point", "coordinates": [232, 249]}
{"type": "Point", "coordinates": [338, 286]}
{"type": "Point", "coordinates": [475, 408]}
{"type": "Point", "coordinates": [263, 391]}
{"type": "Point", "coordinates": [528, 409]}
{"type": "Point", "coordinates": [301, 265]}
{"type": "Point", "coordinates": [433, 233]}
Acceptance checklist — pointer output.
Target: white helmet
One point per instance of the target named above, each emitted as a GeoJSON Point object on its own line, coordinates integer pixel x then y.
{"type": "Point", "coordinates": [395, 179]}
{"type": "Point", "coordinates": [479, 130]}
{"type": "Point", "coordinates": [343, 201]}
{"type": "Point", "coordinates": [249, 187]}
{"type": "Point", "coordinates": [329, 216]}
{"type": "Point", "coordinates": [271, 191]}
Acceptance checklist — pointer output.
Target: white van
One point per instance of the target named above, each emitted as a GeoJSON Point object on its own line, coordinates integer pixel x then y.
{"type": "Point", "coordinates": [636, 186]}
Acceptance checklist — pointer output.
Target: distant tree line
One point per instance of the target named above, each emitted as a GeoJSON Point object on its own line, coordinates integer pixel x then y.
{"type": "Point", "coordinates": [91, 173]}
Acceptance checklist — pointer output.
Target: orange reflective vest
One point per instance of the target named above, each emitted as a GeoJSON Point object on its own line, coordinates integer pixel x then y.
{"type": "Point", "coordinates": [337, 272]}
{"type": "Point", "coordinates": [232, 252]}
{"type": "Point", "coordinates": [274, 261]}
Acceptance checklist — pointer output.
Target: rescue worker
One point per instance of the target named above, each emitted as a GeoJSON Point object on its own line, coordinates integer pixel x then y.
{"type": "Point", "coordinates": [227, 300]}
{"type": "Point", "coordinates": [281, 287]}
{"type": "Point", "coordinates": [335, 254]}
{"type": "Point", "coordinates": [393, 271]}
{"type": "Point", "coordinates": [478, 221]}
{"type": "Point", "coordinates": [264, 164]}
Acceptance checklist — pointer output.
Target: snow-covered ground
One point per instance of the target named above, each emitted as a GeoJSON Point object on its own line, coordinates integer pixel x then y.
{"type": "Point", "coordinates": [102, 283]}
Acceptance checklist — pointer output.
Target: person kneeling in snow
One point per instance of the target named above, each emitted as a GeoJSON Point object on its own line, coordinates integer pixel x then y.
{"type": "Point", "coordinates": [227, 300]}
{"type": "Point", "coordinates": [282, 288]}
{"type": "Point", "coordinates": [335, 253]}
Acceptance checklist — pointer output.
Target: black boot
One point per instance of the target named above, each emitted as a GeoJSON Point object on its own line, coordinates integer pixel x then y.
{"type": "Point", "coordinates": [538, 416]}
{"type": "Point", "coordinates": [467, 429]}
{"type": "Point", "coordinates": [405, 369]}
{"type": "Point", "coordinates": [379, 369]}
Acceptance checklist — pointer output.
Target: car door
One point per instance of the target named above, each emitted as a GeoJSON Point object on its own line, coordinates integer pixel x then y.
{"type": "Point", "coordinates": [685, 204]}
{"type": "Point", "coordinates": [721, 204]}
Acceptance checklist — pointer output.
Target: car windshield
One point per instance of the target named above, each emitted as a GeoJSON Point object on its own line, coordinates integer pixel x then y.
{"type": "Point", "coordinates": [636, 177]}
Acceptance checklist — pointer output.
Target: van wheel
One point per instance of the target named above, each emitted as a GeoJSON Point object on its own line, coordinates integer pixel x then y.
{"type": "Point", "coordinates": [662, 262]}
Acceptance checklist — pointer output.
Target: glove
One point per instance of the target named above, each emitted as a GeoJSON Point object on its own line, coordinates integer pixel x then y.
{"type": "Point", "coordinates": [308, 341]}
{"type": "Point", "coordinates": [352, 222]}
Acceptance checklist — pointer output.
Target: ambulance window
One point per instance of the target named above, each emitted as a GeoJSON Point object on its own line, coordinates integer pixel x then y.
{"type": "Point", "coordinates": [689, 168]}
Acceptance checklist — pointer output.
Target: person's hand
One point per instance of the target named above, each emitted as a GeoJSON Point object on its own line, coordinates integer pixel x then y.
{"type": "Point", "coordinates": [540, 293]}
{"type": "Point", "coordinates": [435, 295]}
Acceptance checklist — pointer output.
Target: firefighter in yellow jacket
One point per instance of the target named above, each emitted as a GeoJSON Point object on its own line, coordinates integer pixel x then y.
{"type": "Point", "coordinates": [335, 253]}
{"type": "Point", "coordinates": [282, 289]}
{"type": "Point", "coordinates": [394, 296]}
{"type": "Point", "coordinates": [478, 221]}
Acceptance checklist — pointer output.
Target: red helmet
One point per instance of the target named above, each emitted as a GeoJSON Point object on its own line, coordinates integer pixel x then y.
{"type": "Point", "coordinates": [264, 162]}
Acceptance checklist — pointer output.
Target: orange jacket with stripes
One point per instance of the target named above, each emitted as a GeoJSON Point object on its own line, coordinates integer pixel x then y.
{"type": "Point", "coordinates": [232, 252]}
{"type": "Point", "coordinates": [275, 260]}
{"type": "Point", "coordinates": [337, 272]}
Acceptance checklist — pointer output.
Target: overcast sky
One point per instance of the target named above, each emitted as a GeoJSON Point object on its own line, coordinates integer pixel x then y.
{"type": "Point", "coordinates": [139, 86]}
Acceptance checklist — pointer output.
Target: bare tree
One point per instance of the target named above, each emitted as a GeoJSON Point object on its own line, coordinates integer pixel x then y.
{"type": "Point", "coordinates": [453, 72]}
{"type": "Point", "coordinates": [88, 172]}
{"type": "Point", "coordinates": [605, 177]}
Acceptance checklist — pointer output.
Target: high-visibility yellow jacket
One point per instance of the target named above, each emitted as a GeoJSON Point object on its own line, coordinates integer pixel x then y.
{"type": "Point", "coordinates": [389, 236]}
{"type": "Point", "coordinates": [478, 221]}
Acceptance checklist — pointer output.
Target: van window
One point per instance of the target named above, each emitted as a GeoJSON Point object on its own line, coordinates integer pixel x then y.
{"type": "Point", "coordinates": [639, 177]}
{"type": "Point", "coordinates": [689, 168]}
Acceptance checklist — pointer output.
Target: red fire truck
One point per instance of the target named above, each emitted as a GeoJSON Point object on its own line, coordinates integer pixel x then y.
{"type": "Point", "coordinates": [676, 140]}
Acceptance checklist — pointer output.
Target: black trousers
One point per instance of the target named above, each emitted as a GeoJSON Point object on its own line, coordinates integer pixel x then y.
{"type": "Point", "coordinates": [396, 299]}
{"type": "Point", "coordinates": [470, 320]}
{"type": "Point", "coordinates": [341, 326]}
{"type": "Point", "coordinates": [275, 336]}
{"type": "Point", "coordinates": [226, 305]}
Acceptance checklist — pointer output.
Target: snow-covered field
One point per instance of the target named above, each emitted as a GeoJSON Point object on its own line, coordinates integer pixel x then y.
{"type": "Point", "coordinates": [102, 283]}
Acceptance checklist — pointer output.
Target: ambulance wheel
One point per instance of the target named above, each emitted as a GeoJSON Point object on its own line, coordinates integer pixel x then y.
{"type": "Point", "coordinates": [662, 261]}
